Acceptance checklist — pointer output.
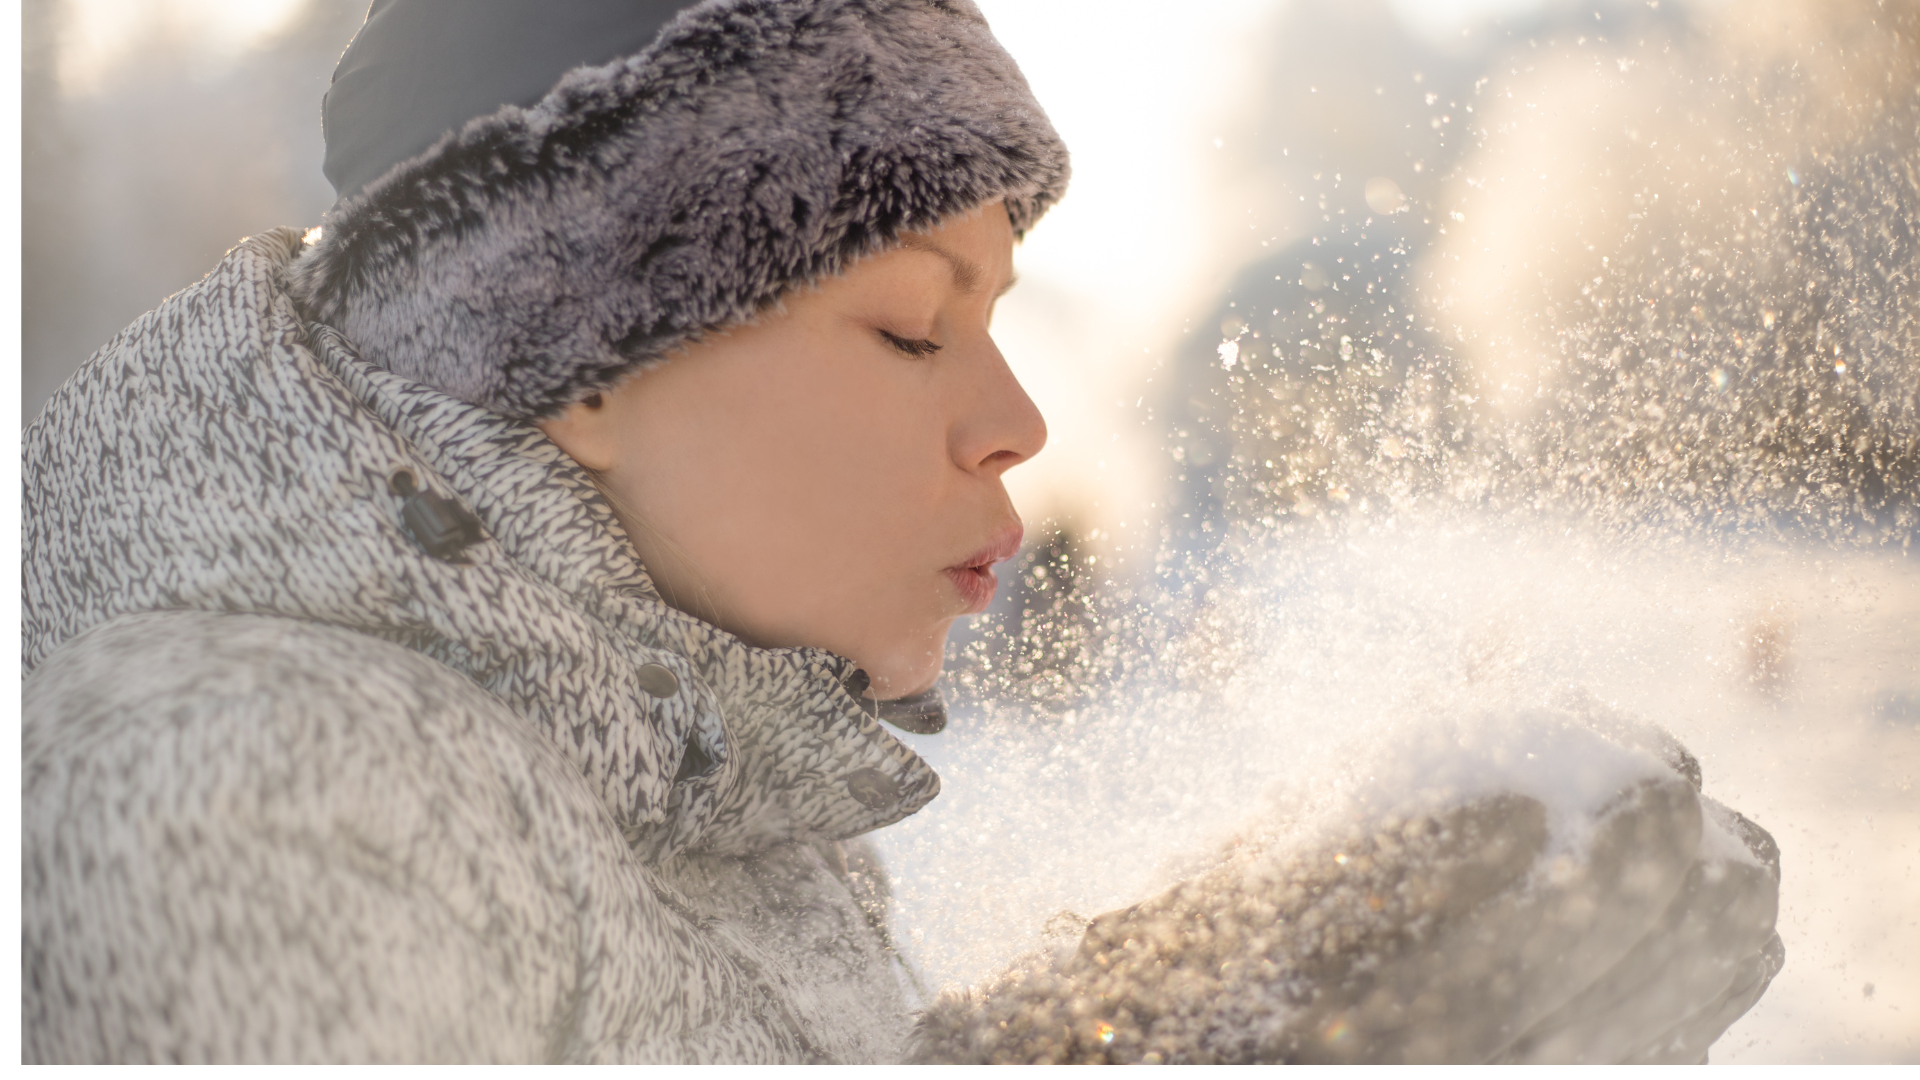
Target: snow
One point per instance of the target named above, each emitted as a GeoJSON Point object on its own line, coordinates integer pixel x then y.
{"type": "Point", "coordinates": [1392, 663]}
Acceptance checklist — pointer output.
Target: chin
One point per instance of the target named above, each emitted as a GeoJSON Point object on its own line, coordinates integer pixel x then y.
{"type": "Point", "coordinates": [902, 670]}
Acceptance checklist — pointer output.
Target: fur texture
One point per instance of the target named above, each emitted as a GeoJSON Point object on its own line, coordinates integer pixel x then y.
{"type": "Point", "coordinates": [540, 254]}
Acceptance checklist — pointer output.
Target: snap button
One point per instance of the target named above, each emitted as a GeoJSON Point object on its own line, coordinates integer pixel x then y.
{"type": "Point", "coordinates": [441, 526]}
{"type": "Point", "coordinates": [872, 788]}
{"type": "Point", "coordinates": [657, 680]}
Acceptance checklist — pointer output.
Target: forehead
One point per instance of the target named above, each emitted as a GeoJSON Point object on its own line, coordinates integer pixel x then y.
{"type": "Point", "coordinates": [977, 250]}
{"type": "Point", "coordinates": [968, 276]}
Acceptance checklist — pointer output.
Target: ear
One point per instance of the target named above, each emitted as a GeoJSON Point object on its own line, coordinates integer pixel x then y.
{"type": "Point", "coordinates": [585, 432]}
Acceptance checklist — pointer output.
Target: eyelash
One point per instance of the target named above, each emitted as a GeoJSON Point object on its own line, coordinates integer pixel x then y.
{"type": "Point", "coordinates": [911, 346]}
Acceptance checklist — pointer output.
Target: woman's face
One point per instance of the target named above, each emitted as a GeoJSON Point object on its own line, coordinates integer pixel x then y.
{"type": "Point", "coordinates": [830, 474]}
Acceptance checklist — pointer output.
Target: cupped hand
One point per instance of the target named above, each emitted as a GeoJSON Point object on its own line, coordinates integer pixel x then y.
{"type": "Point", "coordinates": [1496, 928]}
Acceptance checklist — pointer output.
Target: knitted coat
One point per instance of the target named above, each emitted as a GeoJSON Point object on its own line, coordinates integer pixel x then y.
{"type": "Point", "coordinates": [295, 788]}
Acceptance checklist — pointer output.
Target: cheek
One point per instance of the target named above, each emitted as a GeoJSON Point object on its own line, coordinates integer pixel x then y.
{"type": "Point", "coordinates": [840, 454]}
{"type": "Point", "coordinates": [806, 489]}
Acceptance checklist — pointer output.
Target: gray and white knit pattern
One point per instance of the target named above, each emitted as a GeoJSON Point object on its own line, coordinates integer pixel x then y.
{"type": "Point", "coordinates": [294, 788]}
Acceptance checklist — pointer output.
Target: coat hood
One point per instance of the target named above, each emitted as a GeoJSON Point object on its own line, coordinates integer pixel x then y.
{"type": "Point", "coordinates": [225, 454]}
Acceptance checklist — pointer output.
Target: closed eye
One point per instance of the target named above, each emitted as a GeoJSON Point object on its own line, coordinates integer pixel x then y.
{"type": "Point", "coordinates": [910, 346]}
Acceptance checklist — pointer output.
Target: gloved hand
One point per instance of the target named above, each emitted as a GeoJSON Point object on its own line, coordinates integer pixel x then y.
{"type": "Point", "coordinates": [1634, 924]}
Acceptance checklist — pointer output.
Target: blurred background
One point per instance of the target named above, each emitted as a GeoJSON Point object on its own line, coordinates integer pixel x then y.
{"type": "Point", "coordinates": [1400, 356]}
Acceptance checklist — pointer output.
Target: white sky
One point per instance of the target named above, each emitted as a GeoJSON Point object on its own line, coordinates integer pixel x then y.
{"type": "Point", "coordinates": [1442, 20]}
{"type": "Point", "coordinates": [100, 33]}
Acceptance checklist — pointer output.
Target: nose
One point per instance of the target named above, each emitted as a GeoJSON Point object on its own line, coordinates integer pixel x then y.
{"type": "Point", "coordinates": [999, 426]}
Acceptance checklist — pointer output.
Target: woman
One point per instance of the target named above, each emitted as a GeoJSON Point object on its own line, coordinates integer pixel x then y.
{"type": "Point", "coordinates": [460, 633]}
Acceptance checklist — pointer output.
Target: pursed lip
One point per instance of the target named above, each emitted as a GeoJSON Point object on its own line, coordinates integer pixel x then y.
{"type": "Point", "coordinates": [973, 576]}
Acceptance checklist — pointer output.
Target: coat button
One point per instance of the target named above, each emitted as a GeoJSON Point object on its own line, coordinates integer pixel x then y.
{"type": "Point", "coordinates": [441, 526]}
{"type": "Point", "coordinates": [655, 679]}
{"type": "Point", "coordinates": [872, 788]}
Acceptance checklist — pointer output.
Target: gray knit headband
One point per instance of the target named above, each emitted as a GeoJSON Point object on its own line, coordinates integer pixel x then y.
{"type": "Point", "coordinates": [541, 253]}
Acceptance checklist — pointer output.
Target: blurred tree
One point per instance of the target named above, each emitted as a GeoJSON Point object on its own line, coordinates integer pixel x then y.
{"type": "Point", "coordinates": [1688, 278]}
{"type": "Point", "coordinates": [1312, 385]}
{"type": "Point", "coordinates": [1650, 268]}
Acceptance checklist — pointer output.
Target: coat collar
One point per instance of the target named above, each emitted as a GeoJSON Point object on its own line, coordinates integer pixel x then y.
{"type": "Point", "coordinates": [226, 454]}
{"type": "Point", "coordinates": [795, 755]}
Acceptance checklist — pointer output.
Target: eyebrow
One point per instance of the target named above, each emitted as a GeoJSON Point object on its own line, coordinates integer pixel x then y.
{"type": "Point", "coordinates": [967, 274]}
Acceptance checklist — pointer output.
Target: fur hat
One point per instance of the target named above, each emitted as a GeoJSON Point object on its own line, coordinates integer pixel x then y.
{"type": "Point", "coordinates": [539, 254]}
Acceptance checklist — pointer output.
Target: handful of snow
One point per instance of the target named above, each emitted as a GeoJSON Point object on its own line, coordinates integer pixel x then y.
{"type": "Point", "coordinates": [1545, 885]}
